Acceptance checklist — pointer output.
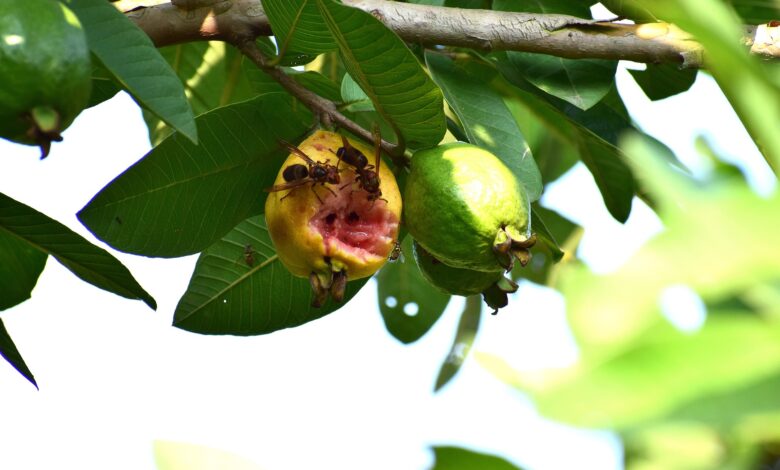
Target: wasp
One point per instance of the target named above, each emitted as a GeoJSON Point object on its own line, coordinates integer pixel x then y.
{"type": "Point", "coordinates": [312, 172]}
{"type": "Point", "coordinates": [367, 175]}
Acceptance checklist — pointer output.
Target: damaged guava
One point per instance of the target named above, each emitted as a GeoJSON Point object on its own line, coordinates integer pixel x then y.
{"type": "Point", "coordinates": [331, 233]}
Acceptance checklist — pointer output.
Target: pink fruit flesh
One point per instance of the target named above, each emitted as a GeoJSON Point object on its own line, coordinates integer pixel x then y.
{"type": "Point", "coordinates": [350, 222]}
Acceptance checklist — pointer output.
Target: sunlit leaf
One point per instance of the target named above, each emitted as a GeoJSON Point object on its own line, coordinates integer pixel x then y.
{"type": "Point", "coordinates": [128, 53]}
{"type": "Point", "coordinates": [169, 455]}
{"type": "Point", "coordinates": [658, 373]}
{"type": "Point", "coordinates": [752, 91]}
{"type": "Point", "coordinates": [461, 346]}
{"type": "Point", "coordinates": [180, 198]}
{"type": "Point", "coordinates": [240, 287]}
{"type": "Point", "coordinates": [698, 249]}
{"type": "Point", "coordinates": [486, 119]}
{"type": "Point", "coordinates": [212, 76]}
{"type": "Point", "coordinates": [298, 28]}
{"type": "Point", "coordinates": [90, 263]}
{"type": "Point", "coordinates": [406, 97]}
{"type": "Point", "coordinates": [400, 287]}
{"type": "Point", "coordinates": [11, 354]}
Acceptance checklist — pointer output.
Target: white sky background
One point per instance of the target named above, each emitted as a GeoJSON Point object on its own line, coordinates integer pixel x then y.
{"type": "Point", "coordinates": [337, 393]}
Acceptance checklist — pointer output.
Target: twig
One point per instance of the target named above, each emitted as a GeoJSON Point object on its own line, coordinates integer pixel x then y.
{"type": "Point", "coordinates": [325, 109]}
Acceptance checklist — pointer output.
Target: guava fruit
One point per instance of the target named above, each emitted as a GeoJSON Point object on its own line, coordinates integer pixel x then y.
{"type": "Point", "coordinates": [493, 286]}
{"type": "Point", "coordinates": [455, 281]}
{"type": "Point", "coordinates": [331, 233]}
{"type": "Point", "coordinates": [466, 208]}
{"type": "Point", "coordinates": [44, 71]}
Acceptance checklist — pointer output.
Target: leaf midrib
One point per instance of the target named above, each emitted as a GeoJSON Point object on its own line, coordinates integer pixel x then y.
{"type": "Point", "coordinates": [228, 287]}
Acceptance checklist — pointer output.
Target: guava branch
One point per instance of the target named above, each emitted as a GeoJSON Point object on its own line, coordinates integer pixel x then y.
{"type": "Point", "coordinates": [327, 110]}
{"type": "Point", "coordinates": [486, 30]}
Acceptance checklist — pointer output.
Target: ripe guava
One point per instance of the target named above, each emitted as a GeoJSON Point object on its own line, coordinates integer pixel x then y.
{"type": "Point", "coordinates": [466, 208]}
{"type": "Point", "coordinates": [44, 71]}
{"type": "Point", "coordinates": [332, 233]}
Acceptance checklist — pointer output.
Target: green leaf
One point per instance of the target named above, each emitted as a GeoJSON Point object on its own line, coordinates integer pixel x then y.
{"type": "Point", "coordinates": [353, 96]}
{"type": "Point", "coordinates": [456, 458]}
{"type": "Point", "coordinates": [20, 266]}
{"type": "Point", "coordinates": [11, 354]}
{"type": "Point", "coordinates": [180, 198]}
{"type": "Point", "coordinates": [128, 53]}
{"type": "Point", "coordinates": [297, 25]}
{"type": "Point", "coordinates": [212, 76]}
{"type": "Point", "coordinates": [479, 4]}
{"type": "Point", "coordinates": [664, 80]}
{"type": "Point", "coordinates": [461, 346]}
{"type": "Point", "coordinates": [568, 7]}
{"type": "Point", "coordinates": [486, 119]}
{"type": "Point", "coordinates": [90, 263]}
{"type": "Point", "coordinates": [240, 287]}
{"type": "Point", "coordinates": [757, 11]}
{"type": "Point", "coordinates": [664, 371]}
{"type": "Point", "coordinates": [406, 98]}
{"type": "Point", "coordinates": [605, 161]}
{"type": "Point", "coordinates": [104, 85]}
{"type": "Point", "coordinates": [400, 284]}
{"type": "Point", "coordinates": [581, 82]}
{"type": "Point", "coordinates": [169, 455]}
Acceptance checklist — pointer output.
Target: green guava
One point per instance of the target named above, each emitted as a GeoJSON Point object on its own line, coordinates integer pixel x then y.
{"type": "Point", "coordinates": [455, 281]}
{"type": "Point", "coordinates": [44, 71]}
{"type": "Point", "coordinates": [466, 208]}
{"type": "Point", "coordinates": [493, 286]}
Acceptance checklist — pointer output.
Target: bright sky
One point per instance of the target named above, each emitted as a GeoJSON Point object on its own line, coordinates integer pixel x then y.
{"type": "Point", "coordinates": [337, 393]}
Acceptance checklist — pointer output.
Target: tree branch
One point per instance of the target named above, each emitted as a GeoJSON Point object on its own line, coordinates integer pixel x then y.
{"type": "Point", "coordinates": [559, 35]}
{"type": "Point", "coordinates": [326, 109]}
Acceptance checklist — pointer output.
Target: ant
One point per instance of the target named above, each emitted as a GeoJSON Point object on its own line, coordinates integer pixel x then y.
{"type": "Point", "coordinates": [248, 255]}
{"type": "Point", "coordinates": [367, 175]}
{"type": "Point", "coordinates": [396, 253]}
{"type": "Point", "coordinates": [313, 172]}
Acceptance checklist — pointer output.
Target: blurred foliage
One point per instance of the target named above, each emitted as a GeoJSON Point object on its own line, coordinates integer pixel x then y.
{"type": "Point", "coordinates": [170, 455]}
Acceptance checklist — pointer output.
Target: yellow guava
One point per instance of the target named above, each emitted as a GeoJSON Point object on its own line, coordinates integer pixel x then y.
{"type": "Point", "coordinates": [332, 233]}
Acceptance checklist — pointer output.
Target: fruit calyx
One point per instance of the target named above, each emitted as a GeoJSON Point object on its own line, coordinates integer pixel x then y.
{"type": "Point", "coordinates": [45, 128]}
{"type": "Point", "coordinates": [509, 245]}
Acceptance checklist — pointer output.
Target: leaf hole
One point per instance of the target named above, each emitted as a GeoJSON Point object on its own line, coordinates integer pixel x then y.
{"type": "Point", "coordinates": [411, 309]}
{"type": "Point", "coordinates": [391, 301]}
{"type": "Point", "coordinates": [683, 307]}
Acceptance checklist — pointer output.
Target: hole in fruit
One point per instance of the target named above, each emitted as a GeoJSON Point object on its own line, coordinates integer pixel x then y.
{"type": "Point", "coordinates": [355, 226]}
{"type": "Point", "coordinates": [391, 302]}
{"type": "Point", "coordinates": [411, 309]}
{"type": "Point", "coordinates": [326, 259]}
